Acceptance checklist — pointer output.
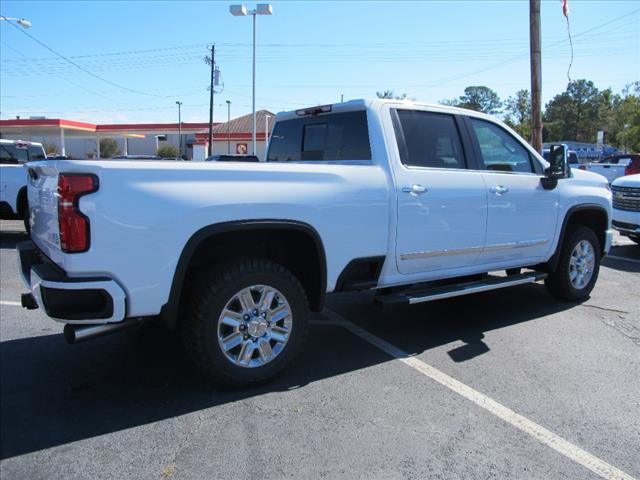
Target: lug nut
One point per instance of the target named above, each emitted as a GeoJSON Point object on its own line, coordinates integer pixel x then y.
{"type": "Point", "coordinates": [255, 312]}
{"type": "Point", "coordinates": [243, 327]}
{"type": "Point", "coordinates": [263, 315]}
{"type": "Point", "coordinates": [246, 317]}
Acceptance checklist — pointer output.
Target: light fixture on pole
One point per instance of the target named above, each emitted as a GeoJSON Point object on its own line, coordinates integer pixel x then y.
{"type": "Point", "coordinates": [179, 129]}
{"type": "Point", "coordinates": [20, 21]}
{"type": "Point", "coordinates": [241, 11]}
{"type": "Point", "coordinates": [228, 127]}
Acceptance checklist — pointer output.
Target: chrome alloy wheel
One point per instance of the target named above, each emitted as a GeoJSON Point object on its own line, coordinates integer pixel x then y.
{"type": "Point", "coordinates": [254, 326]}
{"type": "Point", "coordinates": [581, 264]}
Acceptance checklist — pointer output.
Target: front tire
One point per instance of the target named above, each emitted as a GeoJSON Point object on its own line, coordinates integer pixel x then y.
{"type": "Point", "coordinates": [245, 322]}
{"type": "Point", "coordinates": [578, 268]}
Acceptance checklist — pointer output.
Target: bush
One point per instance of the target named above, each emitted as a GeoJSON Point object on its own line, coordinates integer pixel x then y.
{"type": "Point", "coordinates": [168, 151]}
{"type": "Point", "coordinates": [109, 148]}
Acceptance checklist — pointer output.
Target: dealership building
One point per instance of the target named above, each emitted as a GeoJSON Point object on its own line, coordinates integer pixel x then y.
{"type": "Point", "coordinates": [82, 139]}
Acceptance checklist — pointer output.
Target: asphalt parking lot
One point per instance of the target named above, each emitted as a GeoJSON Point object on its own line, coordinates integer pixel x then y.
{"type": "Point", "coordinates": [503, 384]}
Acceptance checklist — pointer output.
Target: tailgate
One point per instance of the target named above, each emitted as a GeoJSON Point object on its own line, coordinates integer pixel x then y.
{"type": "Point", "coordinates": [42, 191]}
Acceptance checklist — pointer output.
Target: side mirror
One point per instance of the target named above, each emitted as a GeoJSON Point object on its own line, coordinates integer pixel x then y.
{"type": "Point", "coordinates": [558, 168]}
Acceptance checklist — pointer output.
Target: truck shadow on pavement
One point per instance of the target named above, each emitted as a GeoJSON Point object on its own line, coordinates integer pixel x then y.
{"type": "Point", "coordinates": [9, 240]}
{"type": "Point", "coordinates": [54, 394]}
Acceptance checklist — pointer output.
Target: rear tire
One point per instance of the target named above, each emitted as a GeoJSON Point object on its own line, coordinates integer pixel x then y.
{"type": "Point", "coordinates": [245, 321]}
{"type": "Point", "coordinates": [578, 268]}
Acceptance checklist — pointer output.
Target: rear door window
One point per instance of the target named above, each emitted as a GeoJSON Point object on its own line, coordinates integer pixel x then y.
{"type": "Point", "coordinates": [335, 136]}
{"type": "Point", "coordinates": [428, 139]}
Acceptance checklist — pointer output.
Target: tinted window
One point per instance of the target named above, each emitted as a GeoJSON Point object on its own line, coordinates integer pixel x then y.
{"type": "Point", "coordinates": [499, 150]}
{"type": "Point", "coordinates": [429, 139]}
{"type": "Point", "coordinates": [336, 136]}
{"type": "Point", "coordinates": [11, 154]}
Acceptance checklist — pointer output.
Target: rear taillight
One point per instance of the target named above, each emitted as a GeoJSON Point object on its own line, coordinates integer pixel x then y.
{"type": "Point", "coordinates": [629, 170]}
{"type": "Point", "coordinates": [74, 226]}
{"type": "Point", "coordinates": [582, 167]}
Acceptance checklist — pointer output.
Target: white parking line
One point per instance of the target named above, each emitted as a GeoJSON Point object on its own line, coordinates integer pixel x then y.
{"type": "Point", "coordinates": [12, 304]}
{"type": "Point", "coordinates": [615, 257]}
{"type": "Point", "coordinates": [538, 432]}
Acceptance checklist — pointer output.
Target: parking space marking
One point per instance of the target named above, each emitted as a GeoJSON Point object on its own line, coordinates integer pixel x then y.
{"type": "Point", "coordinates": [615, 257]}
{"type": "Point", "coordinates": [538, 432]}
{"type": "Point", "coordinates": [12, 304]}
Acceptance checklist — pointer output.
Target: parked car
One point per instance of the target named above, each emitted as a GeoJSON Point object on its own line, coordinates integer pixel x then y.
{"type": "Point", "coordinates": [616, 166]}
{"type": "Point", "coordinates": [626, 206]}
{"type": "Point", "coordinates": [13, 177]}
{"type": "Point", "coordinates": [414, 202]}
{"type": "Point", "coordinates": [232, 158]}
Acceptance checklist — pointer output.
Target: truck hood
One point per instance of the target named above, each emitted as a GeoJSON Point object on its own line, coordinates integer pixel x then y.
{"type": "Point", "coordinates": [628, 181]}
{"type": "Point", "coordinates": [591, 177]}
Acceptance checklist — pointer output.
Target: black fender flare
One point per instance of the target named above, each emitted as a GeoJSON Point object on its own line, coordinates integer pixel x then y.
{"type": "Point", "coordinates": [552, 263]}
{"type": "Point", "coordinates": [169, 311]}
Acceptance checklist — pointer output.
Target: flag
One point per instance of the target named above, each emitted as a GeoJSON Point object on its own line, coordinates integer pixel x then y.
{"type": "Point", "coordinates": [565, 8]}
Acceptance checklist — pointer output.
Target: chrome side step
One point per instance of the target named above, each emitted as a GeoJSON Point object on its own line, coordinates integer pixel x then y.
{"type": "Point", "coordinates": [414, 295]}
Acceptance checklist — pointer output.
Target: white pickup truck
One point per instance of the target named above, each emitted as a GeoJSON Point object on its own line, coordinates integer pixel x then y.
{"type": "Point", "coordinates": [414, 202]}
{"type": "Point", "coordinates": [13, 177]}
{"type": "Point", "coordinates": [615, 166]}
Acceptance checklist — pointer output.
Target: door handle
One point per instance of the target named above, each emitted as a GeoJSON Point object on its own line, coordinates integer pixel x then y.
{"type": "Point", "coordinates": [414, 190]}
{"type": "Point", "coordinates": [499, 190]}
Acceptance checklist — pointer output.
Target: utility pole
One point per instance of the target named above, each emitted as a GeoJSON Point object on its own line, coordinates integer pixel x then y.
{"type": "Point", "coordinates": [228, 126]}
{"type": "Point", "coordinates": [536, 75]}
{"type": "Point", "coordinates": [211, 61]}
{"type": "Point", "coordinates": [179, 129]}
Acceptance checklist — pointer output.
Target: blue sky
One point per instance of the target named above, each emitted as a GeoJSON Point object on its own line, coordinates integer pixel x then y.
{"type": "Point", "coordinates": [308, 53]}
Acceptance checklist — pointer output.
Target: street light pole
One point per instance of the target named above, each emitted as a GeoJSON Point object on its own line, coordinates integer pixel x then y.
{"type": "Point", "coordinates": [253, 86]}
{"type": "Point", "coordinates": [179, 129]}
{"type": "Point", "coordinates": [228, 127]}
{"type": "Point", "coordinates": [241, 11]}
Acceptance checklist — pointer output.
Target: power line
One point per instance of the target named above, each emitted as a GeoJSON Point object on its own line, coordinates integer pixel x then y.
{"type": "Point", "coordinates": [76, 65]}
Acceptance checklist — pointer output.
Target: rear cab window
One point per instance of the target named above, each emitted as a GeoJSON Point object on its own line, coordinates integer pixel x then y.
{"type": "Point", "coordinates": [13, 154]}
{"type": "Point", "coordinates": [340, 136]}
{"type": "Point", "coordinates": [17, 153]}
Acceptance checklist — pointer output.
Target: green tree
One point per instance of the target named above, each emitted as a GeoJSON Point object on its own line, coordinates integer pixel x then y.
{"type": "Point", "coordinates": [168, 151]}
{"type": "Point", "coordinates": [574, 114]}
{"type": "Point", "coordinates": [517, 110]}
{"type": "Point", "coordinates": [450, 102]}
{"type": "Point", "coordinates": [389, 94]}
{"type": "Point", "coordinates": [627, 119]}
{"type": "Point", "coordinates": [481, 99]}
{"type": "Point", "coordinates": [109, 148]}
{"type": "Point", "coordinates": [50, 148]}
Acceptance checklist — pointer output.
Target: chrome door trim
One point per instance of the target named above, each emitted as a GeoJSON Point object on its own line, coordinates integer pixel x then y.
{"type": "Point", "coordinates": [461, 251]}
